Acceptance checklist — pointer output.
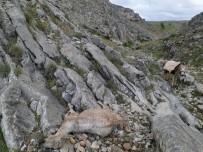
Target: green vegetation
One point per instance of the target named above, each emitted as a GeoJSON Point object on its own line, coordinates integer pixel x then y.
{"type": "Point", "coordinates": [28, 17]}
{"type": "Point", "coordinates": [3, 147]}
{"type": "Point", "coordinates": [169, 26]}
{"type": "Point", "coordinates": [5, 70]}
{"type": "Point", "coordinates": [111, 85]}
{"type": "Point", "coordinates": [42, 25]}
{"type": "Point", "coordinates": [153, 68]}
{"type": "Point", "coordinates": [128, 44]}
{"type": "Point", "coordinates": [119, 99]}
{"type": "Point", "coordinates": [159, 54]}
{"type": "Point", "coordinates": [18, 71]}
{"type": "Point", "coordinates": [95, 32]}
{"type": "Point", "coordinates": [162, 25]}
{"type": "Point", "coordinates": [16, 53]}
{"type": "Point", "coordinates": [79, 35]}
{"type": "Point", "coordinates": [62, 25]}
{"type": "Point", "coordinates": [82, 108]}
{"type": "Point", "coordinates": [95, 65]}
{"type": "Point", "coordinates": [66, 63]}
{"type": "Point", "coordinates": [49, 75]}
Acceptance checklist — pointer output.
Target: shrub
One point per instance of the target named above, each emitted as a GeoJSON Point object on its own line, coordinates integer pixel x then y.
{"type": "Point", "coordinates": [42, 25]}
{"type": "Point", "coordinates": [128, 44]}
{"type": "Point", "coordinates": [49, 72]}
{"type": "Point", "coordinates": [162, 25]}
{"type": "Point", "coordinates": [18, 71]}
{"type": "Point", "coordinates": [5, 70]}
{"type": "Point", "coordinates": [16, 53]}
{"type": "Point", "coordinates": [2, 143]}
{"type": "Point", "coordinates": [96, 65]}
{"type": "Point", "coordinates": [79, 35]}
{"type": "Point", "coordinates": [119, 99]}
{"type": "Point", "coordinates": [28, 17]}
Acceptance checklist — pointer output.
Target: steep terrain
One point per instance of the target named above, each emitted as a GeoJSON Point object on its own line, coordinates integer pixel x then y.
{"type": "Point", "coordinates": [67, 56]}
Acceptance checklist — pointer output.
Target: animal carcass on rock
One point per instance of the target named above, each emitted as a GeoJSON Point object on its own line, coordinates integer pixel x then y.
{"type": "Point", "coordinates": [95, 121]}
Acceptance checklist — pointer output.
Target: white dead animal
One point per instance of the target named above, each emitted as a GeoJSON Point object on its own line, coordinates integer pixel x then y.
{"type": "Point", "coordinates": [174, 68]}
{"type": "Point", "coordinates": [95, 121]}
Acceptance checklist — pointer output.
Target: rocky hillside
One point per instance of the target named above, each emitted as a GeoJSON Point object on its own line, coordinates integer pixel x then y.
{"type": "Point", "coordinates": [60, 60]}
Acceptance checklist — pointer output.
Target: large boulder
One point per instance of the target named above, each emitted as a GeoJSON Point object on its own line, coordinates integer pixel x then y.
{"type": "Point", "coordinates": [109, 71]}
{"type": "Point", "coordinates": [172, 134]}
{"type": "Point", "coordinates": [76, 89]}
{"type": "Point", "coordinates": [17, 118]}
{"type": "Point", "coordinates": [75, 57]}
{"type": "Point", "coordinates": [97, 86]}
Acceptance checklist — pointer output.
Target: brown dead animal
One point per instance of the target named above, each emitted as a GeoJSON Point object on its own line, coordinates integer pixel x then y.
{"type": "Point", "coordinates": [95, 121]}
{"type": "Point", "coordinates": [174, 68]}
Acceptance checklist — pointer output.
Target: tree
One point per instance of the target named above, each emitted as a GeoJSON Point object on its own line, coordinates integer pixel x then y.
{"type": "Point", "coordinates": [162, 25]}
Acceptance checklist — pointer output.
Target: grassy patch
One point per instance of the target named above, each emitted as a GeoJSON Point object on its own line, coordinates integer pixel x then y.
{"type": "Point", "coordinates": [128, 44]}
{"type": "Point", "coordinates": [16, 53]}
{"type": "Point", "coordinates": [5, 70]}
{"type": "Point", "coordinates": [153, 68]}
{"type": "Point", "coordinates": [119, 99]}
{"type": "Point", "coordinates": [66, 63]}
{"type": "Point", "coordinates": [95, 32]}
{"type": "Point", "coordinates": [49, 75]}
{"type": "Point", "coordinates": [79, 35]}
{"type": "Point", "coordinates": [30, 13]}
{"type": "Point", "coordinates": [42, 25]}
{"type": "Point", "coordinates": [95, 65]}
{"type": "Point", "coordinates": [159, 54]}
{"type": "Point", "coordinates": [111, 85]}
{"type": "Point", "coordinates": [3, 147]}
{"type": "Point", "coordinates": [62, 25]}
{"type": "Point", "coordinates": [18, 71]}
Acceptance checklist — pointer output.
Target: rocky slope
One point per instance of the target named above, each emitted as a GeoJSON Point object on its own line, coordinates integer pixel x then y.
{"type": "Point", "coordinates": [57, 53]}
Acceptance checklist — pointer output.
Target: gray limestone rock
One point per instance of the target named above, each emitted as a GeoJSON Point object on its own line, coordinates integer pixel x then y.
{"type": "Point", "coordinates": [15, 14]}
{"type": "Point", "coordinates": [17, 119]}
{"type": "Point", "coordinates": [31, 44]}
{"type": "Point", "coordinates": [48, 106]}
{"type": "Point", "coordinates": [199, 87]}
{"type": "Point", "coordinates": [108, 70]}
{"type": "Point", "coordinates": [75, 57]}
{"type": "Point", "coordinates": [163, 93]}
{"type": "Point", "coordinates": [187, 78]}
{"type": "Point", "coordinates": [48, 46]}
{"type": "Point", "coordinates": [172, 134]}
{"type": "Point", "coordinates": [98, 88]}
{"type": "Point", "coordinates": [136, 76]}
{"type": "Point", "coordinates": [77, 90]}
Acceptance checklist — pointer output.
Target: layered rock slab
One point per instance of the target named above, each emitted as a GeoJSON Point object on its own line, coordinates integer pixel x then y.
{"type": "Point", "coordinates": [172, 134]}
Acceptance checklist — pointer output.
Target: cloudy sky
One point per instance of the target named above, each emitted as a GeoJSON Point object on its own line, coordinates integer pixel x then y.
{"type": "Point", "coordinates": [160, 10]}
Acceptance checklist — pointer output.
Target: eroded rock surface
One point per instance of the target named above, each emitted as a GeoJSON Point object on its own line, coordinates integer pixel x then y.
{"type": "Point", "coordinates": [172, 133]}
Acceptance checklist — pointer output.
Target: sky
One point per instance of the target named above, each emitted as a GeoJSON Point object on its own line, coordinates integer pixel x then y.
{"type": "Point", "coordinates": [163, 10]}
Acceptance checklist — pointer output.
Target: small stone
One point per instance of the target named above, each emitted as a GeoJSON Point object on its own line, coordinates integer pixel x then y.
{"type": "Point", "coordinates": [23, 148]}
{"type": "Point", "coordinates": [108, 142]}
{"type": "Point", "coordinates": [67, 147]}
{"type": "Point", "coordinates": [134, 148]}
{"type": "Point", "coordinates": [88, 144]}
{"type": "Point", "coordinates": [126, 146]}
{"type": "Point", "coordinates": [95, 145]}
{"type": "Point", "coordinates": [200, 107]}
{"type": "Point", "coordinates": [78, 147]}
{"type": "Point", "coordinates": [82, 143]}
{"type": "Point", "coordinates": [104, 149]}
{"type": "Point", "coordinates": [82, 137]}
